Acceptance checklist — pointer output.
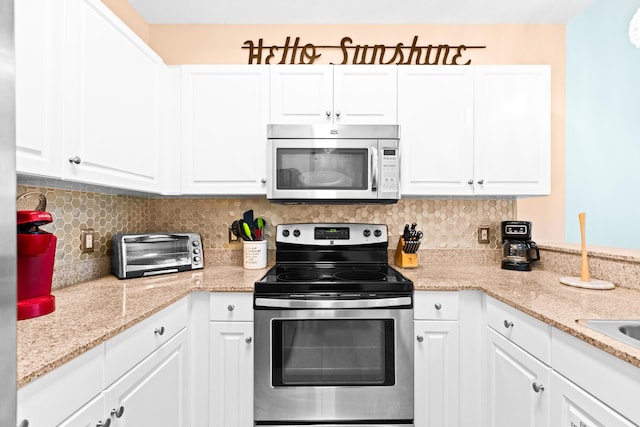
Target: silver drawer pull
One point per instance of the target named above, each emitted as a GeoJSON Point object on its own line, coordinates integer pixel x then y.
{"type": "Point", "coordinates": [248, 340]}
{"type": "Point", "coordinates": [231, 307]}
{"type": "Point", "coordinates": [117, 412]}
{"type": "Point", "coordinates": [106, 423]}
{"type": "Point", "coordinates": [159, 331]}
{"type": "Point", "coordinates": [420, 338]}
{"type": "Point", "coordinates": [508, 324]}
{"type": "Point", "coordinates": [438, 306]}
{"type": "Point", "coordinates": [537, 387]}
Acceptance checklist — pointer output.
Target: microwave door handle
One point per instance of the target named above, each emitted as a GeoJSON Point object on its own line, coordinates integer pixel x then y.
{"type": "Point", "coordinates": [292, 303]}
{"type": "Point", "coordinates": [374, 169]}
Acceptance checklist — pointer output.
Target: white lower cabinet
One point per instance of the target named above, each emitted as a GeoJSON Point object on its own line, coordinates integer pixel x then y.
{"type": "Point", "coordinates": [437, 378]}
{"type": "Point", "coordinates": [90, 415]}
{"type": "Point", "coordinates": [154, 393]}
{"type": "Point", "coordinates": [64, 392]}
{"type": "Point", "coordinates": [571, 406]}
{"type": "Point", "coordinates": [517, 385]}
{"type": "Point", "coordinates": [231, 360]}
{"type": "Point", "coordinates": [436, 353]}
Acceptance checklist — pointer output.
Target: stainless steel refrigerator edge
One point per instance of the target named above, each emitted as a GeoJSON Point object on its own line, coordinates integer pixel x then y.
{"type": "Point", "coordinates": [7, 217]}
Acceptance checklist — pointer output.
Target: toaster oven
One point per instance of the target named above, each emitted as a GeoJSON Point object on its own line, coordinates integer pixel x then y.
{"type": "Point", "coordinates": [139, 255]}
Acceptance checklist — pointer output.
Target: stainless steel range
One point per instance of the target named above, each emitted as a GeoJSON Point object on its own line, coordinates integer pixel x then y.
{"type": "Point", "coordinates": [333, 330]}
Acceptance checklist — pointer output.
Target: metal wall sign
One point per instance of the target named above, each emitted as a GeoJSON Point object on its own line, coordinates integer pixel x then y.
{"type": "Point", "coordinates": [293, 51]}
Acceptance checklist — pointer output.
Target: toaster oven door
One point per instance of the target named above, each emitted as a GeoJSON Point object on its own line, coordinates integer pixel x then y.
{"type": "Point", "coordinates": [157, 252]}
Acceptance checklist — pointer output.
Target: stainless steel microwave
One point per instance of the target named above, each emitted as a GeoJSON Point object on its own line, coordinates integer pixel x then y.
{"type": "Point", "coordinates": [139, 255]}
{"type": "Point", "coordinates": [333, 163]}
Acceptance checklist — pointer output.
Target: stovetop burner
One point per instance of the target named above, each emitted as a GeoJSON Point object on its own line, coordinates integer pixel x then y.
{"type": "Point", "coordinates": [332, 258]}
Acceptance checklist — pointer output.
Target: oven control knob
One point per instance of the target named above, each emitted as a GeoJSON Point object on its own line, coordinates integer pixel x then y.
{"type": "Point", "coordinates": [196, 251]}
{"type": "Point", "coordinates": [296, 232]}
{"type": "Point", "coordinates": [367, 232]}
{"type": "Point", "coordinates": [285, 233]}
{"type": "Point", "coordinates": [196, 243]}
{"type": "Point", "coordinates": [196, 259]}
{"type": "Point", "coordinates": [377, 233]}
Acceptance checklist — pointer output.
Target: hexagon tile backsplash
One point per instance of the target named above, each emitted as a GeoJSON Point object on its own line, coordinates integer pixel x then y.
{"type": "Point", "coordinates": [447, 224]}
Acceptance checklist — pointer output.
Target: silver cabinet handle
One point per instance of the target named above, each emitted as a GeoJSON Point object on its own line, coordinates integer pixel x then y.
{"type": "Point", "coordinates": [420, 338]}
{"type": "Point", "coordinates": [263, 180]}
{"type": "Point", "coordinates": [106, 423]}
{"type": "Point", "coordinates": [481, 181]}
{"type": "Point", "coordinates": [117, 412]}
{"type": "Point", "coordinates": [159, 331]}
{"type": "Point", "coordinates": [76, 160]}
{"type": "Point", "coordinates": [470, 182]}
{"type": "Point", "coordinates": [328, 113]}
{"type": "Point", "coordinates": [248, 340]}
{"type": "Point", "coordinates": [537, 387]}
{"type": "Point", "coordinates": [508, 324]}
{"type": "Point", "coordinates": [337, 113]}
{"type": "Point", "coordinates": [24, 423]}
{"type": "Point", "coordinates": [438, 306]}
{"type": "Point", "coordinates": [231, 307]}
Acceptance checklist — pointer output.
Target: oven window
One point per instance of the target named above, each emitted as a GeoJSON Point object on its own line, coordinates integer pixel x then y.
{"type": "Point", "coordinates": [322, 168]}
{"type": "Point", "coordinates": [333, 352]}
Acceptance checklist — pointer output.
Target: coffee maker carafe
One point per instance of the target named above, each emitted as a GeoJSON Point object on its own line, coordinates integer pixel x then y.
{"type": "Point", "coordinates": [518, 250]}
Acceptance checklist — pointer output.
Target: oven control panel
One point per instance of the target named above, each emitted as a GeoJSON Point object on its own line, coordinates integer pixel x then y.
{"type": "Point", "coordinates": [331, 234]}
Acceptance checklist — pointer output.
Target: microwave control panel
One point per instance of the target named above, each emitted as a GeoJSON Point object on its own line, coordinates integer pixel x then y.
{"type": "Point", "coordinates": [389, 170]}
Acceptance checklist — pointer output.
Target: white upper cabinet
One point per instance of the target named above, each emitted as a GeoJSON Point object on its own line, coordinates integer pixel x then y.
{"type": "Point", "coordinates": [512, 130]}
{"type": "Point", "coordinates": [112, 87]}
{"type": "Point", "coordinates": [38, 130]}
{"type": "Point", "coordinates": [476, 130]}
{"type": "Point", "coordinates": [435, 111]}
{"type": "Point", "coordinates": [224, 129]}
{"type": "Point", "coordinates": [328, 94]}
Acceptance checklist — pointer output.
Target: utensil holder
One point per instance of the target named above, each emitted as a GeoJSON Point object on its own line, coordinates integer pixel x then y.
{"type": "Point", "coordinates": [254, 254]}
{"type": "Point", "coordinates": [403, 259]}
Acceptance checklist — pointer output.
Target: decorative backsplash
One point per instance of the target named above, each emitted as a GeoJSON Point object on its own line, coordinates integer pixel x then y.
{"type": "Point", "coordinates": [447, 224]}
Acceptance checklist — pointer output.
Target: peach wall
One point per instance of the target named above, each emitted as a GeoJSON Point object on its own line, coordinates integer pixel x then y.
{"type": "Point", "coordinates": [505, 44]}
{"type": "Point", "coordinates": [128, 15]}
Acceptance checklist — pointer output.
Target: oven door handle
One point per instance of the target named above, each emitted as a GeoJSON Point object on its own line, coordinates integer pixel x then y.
{"type": "Point", "coordinates": [332, 303]}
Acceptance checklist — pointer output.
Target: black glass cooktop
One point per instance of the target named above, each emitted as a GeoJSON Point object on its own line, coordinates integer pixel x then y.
{"type": "Point", "coordinates": [332, 277]}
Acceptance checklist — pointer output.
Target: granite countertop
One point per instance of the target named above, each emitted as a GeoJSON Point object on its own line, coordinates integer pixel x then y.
{"type": "Point", "coordinates": [88, 314]}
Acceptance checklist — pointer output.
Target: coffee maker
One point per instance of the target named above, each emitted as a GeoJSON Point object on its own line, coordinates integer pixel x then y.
{"type": "Point", "coordinates": [518, 250]}
{"type": "Point", "coordinates": [36, 255]}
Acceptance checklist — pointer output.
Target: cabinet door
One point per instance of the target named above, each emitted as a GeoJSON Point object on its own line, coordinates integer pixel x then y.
{"type": "Point", "coordinates": [365, 94]}
{"type": "Point", "coordinates": [437, 374]}
{"type": "Point", "coordinates": [517, 385]}
{"type": "Point", "coordinates": [301, 94]}
{"type": "Point", "coordinates": [512, 130]}
{"type": "Point", "coordinates": [435, 112]}
{"type": "Point", "coordinates": [112, 100]}
{"type": "Point", "coordinates": [573, 407]}
{"type": "Point", "coordinates": [154, 393]}
{"type": "Point", "coordinates": [224, 129]}
{"type": "Point", "coordinates": [38, 101]}
{"type": "Point", "coordinates": [231, 381]}
{"type": "Point", "coordinates": [90, 415]}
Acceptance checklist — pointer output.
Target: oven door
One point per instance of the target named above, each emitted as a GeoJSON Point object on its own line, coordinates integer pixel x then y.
{"type": "Point", "coordinates": [344, 364]}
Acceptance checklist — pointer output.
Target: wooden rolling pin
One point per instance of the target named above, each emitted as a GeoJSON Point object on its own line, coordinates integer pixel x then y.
{"type": "Point", "coordinates": [585, 276]}
{"type": "Point", "coordinates": [584, 281]}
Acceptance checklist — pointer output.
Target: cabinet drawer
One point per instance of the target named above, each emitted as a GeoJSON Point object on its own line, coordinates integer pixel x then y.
{"type": "Point", "coordinates": [229, 306]}
{"type": "Point", "coordinates": [125, 350]}
{"type": "Point", "coordinates": [529, 333]}
{"type": "Point", "coordinates": [572, 406]}
{"type": "Point", "coordinates": [435, 305]}
{"type": "Point", "coordinates": [50, 399]}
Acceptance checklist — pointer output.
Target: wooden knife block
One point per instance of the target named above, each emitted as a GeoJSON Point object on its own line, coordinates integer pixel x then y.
{"type": "Point", "coordinates": [403, 259]}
